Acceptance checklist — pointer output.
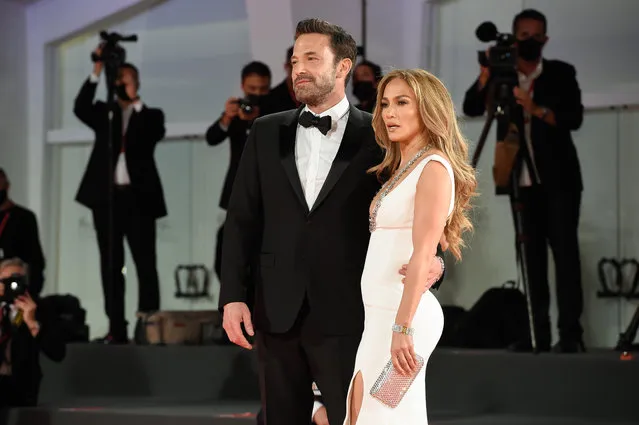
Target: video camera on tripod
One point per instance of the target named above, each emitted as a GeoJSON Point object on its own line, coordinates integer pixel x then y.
{"type": "Point", "coordinates": [501, 62]}
{"type": "Point", "coordinates": [511, 151]}
{"type": "Point", "coordinates": [112, 55]}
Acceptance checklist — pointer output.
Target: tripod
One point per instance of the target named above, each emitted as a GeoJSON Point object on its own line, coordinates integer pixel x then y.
{"type": "Point", "coordinates": [626, 339]}
{"type": "Point", "coordinates": [113, 57]}
{"type": "Point", "coordinates": [503, 108]}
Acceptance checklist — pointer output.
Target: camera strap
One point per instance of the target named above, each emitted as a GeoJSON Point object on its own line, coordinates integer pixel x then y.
{"type": "Point", "coordinates": [3, 224]}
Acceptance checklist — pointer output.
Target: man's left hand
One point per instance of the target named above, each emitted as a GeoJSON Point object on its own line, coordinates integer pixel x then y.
{"type": "Point", "coordinates": [434, 273]}
{"type": "Point", "coordinates": [28, 307]}
{"type": "Point", "coordinates": [523, 98]}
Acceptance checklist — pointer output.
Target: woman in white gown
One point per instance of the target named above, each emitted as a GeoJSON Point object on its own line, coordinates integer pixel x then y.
{"type": "Point", "coordinates": [427, 195]}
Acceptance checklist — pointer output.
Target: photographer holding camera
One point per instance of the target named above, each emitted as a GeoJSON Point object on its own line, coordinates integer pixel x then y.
{"type": "Point", "coordinates": [235, 123]}
{"type": "Point", "coordinates": [138, 197]}
{"type": "Point", "coordinates": [25, 331]}
{"type": "Point", "coordinates": [550, 108]}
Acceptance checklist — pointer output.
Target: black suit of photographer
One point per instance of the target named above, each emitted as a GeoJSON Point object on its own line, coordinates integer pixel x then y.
{"type": "Point", "coordinates": [21, 389]}
{"type": "Point", "coordinates": [234, 124]}
{"type": "Point", "coordinates": [138, 199]}
{"type": "Point", "coordinates": [551, 209]}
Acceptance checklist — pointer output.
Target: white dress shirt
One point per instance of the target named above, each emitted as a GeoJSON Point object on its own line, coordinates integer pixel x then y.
{"type": "Point", "coordinates": [525, 83]}
{"type": "Point", "coordinates": [315, 152]}
{"type": "Point", "coordinates": [121, 171]}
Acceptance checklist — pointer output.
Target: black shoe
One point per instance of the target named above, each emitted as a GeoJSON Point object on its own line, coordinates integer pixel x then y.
{"type": "Point", "coordinates": [569, 346]}
{"type": "Point", "coordinates": [525, 346]}
{"type": "Point", "coordinates": [111, 339]}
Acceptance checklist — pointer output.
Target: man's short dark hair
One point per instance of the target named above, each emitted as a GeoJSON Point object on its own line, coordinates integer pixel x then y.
{"type": "Point", "coordinates": [258, 68]}
{"type": "Point", "coordinates": [530, 14]}
{"type": "Point", "coordinates": [289, 54]}
{"type": "Point", "coordinates": [342, 43]}
{"type": "Point", "coordinates": [377, 70]}
{"type": "Point", "coordinates": [3, 174]}
{"type": "Point", "coordinates": [134, 70]}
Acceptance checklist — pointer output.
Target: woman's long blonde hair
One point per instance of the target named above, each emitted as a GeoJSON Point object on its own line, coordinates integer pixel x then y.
{"type": "Point", "coordinates": [441, 131]}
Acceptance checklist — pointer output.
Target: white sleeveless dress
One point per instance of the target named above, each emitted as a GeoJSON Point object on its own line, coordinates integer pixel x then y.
{"type": "Point", "coordinates": [391, 246]}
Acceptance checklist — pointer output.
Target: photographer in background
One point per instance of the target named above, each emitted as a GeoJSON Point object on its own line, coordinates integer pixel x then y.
{"type": "Point", "coordinates": [366, 76]}
{"type": "Point", "coordinates": [138, 199]}
{"type": "Point", "coordinates": [282, 97]}
{"type": "Point", "coordinates": [551, 106]}
{"type": "Point", "coordinates": [24, 333]}
{"type": "Point", "coordinates": [235, 124]}
{"type": "Point", "coordinates": [19, 236]}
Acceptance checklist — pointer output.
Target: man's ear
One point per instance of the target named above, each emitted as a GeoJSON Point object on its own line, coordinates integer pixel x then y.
{"type": "Point", "coordinates": [345, 67]}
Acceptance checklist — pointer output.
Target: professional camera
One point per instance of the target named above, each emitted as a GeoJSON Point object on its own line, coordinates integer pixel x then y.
{"type": "Point", "coordinates": [248, 104]}
{"type": "Point", "coordinates": [112, 54]}
{"type": "Point", "coordinates": [14, 286]}
{"type": "Point", "coordinates": [502, 61]}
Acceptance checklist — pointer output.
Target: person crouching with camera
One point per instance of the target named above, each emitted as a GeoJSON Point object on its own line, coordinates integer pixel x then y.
{"type": "Point", "coordinates": [25, 332]}
{"type": "Point", "coordinates": [235, 124]}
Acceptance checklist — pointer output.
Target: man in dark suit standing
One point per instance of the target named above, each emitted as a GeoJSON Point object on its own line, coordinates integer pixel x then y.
{"type": "Point", "coordinates": [296, 233]}
{"type": "Point", "coordinates": [138, 199]}
{"type": "Point", "coordinates": [551, 108]}
{"type": "Point", "coordinates": [282, 97]}
{"type": "Point", "coordinates": [234, 124]}
{"type": "Point", "coordinates": [19, 236]}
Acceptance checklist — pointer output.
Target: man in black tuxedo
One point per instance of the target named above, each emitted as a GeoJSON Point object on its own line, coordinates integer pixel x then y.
{"type": "Point", "coordinates": [235, 124]}
{"type": "Point", "coordinates": [551, 108]}
{"type": "Point", "coordinates": [296, 233]}
{"type": "Point", "coordinates": [138, 194]}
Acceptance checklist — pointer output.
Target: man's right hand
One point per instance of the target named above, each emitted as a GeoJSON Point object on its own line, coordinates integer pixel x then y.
{"type": "Point", "coordinates": [231, 110]}
{"type": "Point", "coordinates": [234, 315]}
{"type": "Point", "coordinates": [484, 72]}
{"type": "Point", "coordinates": [97, 67]}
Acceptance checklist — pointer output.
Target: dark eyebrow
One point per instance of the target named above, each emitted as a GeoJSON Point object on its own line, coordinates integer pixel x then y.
{"type": "Point", "coordinates": [397, 97]}
{"type": "Point", "coordinates": [305, 54]}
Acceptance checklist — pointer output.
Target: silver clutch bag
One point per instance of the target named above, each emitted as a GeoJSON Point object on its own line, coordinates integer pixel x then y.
{"type": "Point", "coordinates": [390, 386]}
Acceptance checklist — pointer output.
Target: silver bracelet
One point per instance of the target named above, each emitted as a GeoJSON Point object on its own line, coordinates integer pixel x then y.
{"type": "Point", "coordinates": [441, 261]}
{"type": "Point", "coordinates": [403, 329]}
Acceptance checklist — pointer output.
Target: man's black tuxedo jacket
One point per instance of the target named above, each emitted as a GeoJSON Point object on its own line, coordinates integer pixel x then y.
{"type": "Point", "coordinates": [237, 137]}
{"type": "Point", "coordinates": [554, 152]}
{"type": "Point", "coordinates": [144, 130]}
{"type": "Point", "coordinates": [276, 246]}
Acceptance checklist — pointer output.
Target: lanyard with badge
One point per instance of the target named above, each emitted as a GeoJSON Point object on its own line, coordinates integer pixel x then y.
{"type": "Point", "coordinates": [3, 224]}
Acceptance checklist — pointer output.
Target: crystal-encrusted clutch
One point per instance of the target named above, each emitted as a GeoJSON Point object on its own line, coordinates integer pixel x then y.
{"type": "Point", "coordinates": [391, 385]}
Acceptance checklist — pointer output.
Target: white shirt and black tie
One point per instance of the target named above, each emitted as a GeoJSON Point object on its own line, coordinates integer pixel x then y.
{"type": "Point", "coordinates": [121, 174]}
{"type": "Point", "coordinates": [315, 152]}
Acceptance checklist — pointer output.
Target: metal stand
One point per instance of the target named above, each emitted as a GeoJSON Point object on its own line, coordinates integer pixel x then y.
{"type": "Point", "coordinates": [626, 339]}
{"type": "Point", "coordinates": [112, 58]}
{"type": "Point", "coordinates": [503, 108]}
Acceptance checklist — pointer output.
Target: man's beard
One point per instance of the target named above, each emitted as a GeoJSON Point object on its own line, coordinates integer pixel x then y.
{"type": "Point", "coordinates": [317, 90]}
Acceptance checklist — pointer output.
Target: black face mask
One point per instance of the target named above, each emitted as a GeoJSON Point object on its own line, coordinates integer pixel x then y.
{"type": "Point", "coordinates": [255, 99]}
{"type": "Point", "coordinates": [529, 49]}
{"type": "Point", "coordinates": [364, 90]}
{"type": "Point", "coordinates": [120, 92]}
{"type": "Point", "coordinates": [3, 196]}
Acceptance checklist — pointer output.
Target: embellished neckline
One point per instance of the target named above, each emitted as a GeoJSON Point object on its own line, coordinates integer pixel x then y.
{"type": "Point", "coordinates": [388, 187]}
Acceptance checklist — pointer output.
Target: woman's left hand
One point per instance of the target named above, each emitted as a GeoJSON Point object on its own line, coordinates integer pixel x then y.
{"type": "Point", "coordinates": [403, 353]}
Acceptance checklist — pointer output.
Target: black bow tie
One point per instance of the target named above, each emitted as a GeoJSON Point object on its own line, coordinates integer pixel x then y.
{"type": "Point", "coordinates": [323, 124]}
